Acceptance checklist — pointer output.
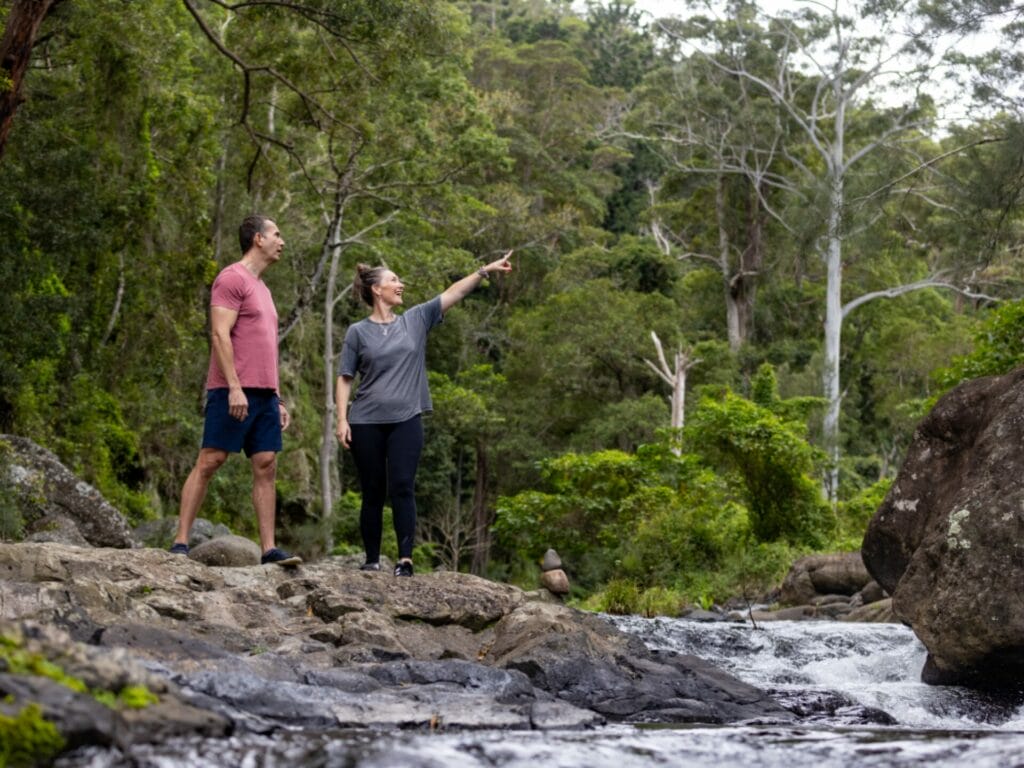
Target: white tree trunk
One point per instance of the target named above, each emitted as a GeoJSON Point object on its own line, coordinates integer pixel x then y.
{"type": "Point", "coordinates": [830, 374]}
{"type": "Point", "coordinates": [732, 309]}
{"type": "Point", "coordinates": [834, 297]}
{"type": "Point", "coordinates": [679, 394]}
{"type": "Point", "coordinates": [328, 441]}
{"type": "Point", "coordinates": [675, 377]}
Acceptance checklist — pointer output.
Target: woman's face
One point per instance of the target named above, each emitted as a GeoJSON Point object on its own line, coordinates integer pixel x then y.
{"type": "Point", "coordinates": [389, 290]}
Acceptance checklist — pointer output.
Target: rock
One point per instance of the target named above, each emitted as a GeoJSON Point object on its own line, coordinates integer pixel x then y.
{"type": "Point", "coordinates": [260, 649]}
{"type": "Point", "coordinates": [699, 614]}
{"type": "Point", "coordinates": [583, 661]}
{"type": "Point", "coordinates": [80, 718]}
{"type": "Point", "coordinates": [56, 528]}
{"type": "Point", "coordinates": [795, 613]}
{"type": "Point", "coordinates": [46, 488]}
{"type": "Point", "coordinates": [230, 550]}
{"type": "Point", "coordinates": [555, 581]}
{"type": "Point", "coordinates": [871, 593]}
{"type": "Point", "coordinates": [879, 611]}
{"type": "Point", "coordinates": [160, 533]}
{"type": "Point", "coordinates": [948, 540]}
{"type": "Point", "coordinates": [551, 561]}
{"type": "Point", "coordinates": [821, 600]}
{"type": "Point", "coordinates": [841, 573]}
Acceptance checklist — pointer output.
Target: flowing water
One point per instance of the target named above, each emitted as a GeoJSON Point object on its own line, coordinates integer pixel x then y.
{"type": "Point", "coordinates": [844, 679]}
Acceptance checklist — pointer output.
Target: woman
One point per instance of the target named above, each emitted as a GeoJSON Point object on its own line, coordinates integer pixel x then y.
{"type": "Point", "coordinates": [382, 427]}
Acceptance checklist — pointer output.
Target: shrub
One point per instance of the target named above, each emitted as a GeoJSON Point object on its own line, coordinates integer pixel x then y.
{"type": "Point", "coordinates": [772, 462]}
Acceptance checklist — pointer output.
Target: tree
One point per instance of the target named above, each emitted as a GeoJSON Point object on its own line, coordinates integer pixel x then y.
{"type": "Point", "coordinates": [618, 48]}
{"type": "Point", "coordinates": [21, 28]}
{"type": "Point", "coordinates": [720, 141]}
{"type": "Point", "coordinates": [996, 72]}
{"type": "Point", "coordinates": [773, 460]}
{"type": "Point", "coordinates": [674, 376]}
{"type": "Point", "coordinates": [103, 255]}
{"type": "Point", "coordinates": [832, 111]}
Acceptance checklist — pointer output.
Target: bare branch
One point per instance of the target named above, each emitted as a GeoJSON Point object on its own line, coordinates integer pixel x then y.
{"type": "Point", "coordinates": [899, 290]}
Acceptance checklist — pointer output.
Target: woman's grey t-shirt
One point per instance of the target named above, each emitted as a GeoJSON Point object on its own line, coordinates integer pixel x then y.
{"type": "Point", "coordinates": [390, 361]}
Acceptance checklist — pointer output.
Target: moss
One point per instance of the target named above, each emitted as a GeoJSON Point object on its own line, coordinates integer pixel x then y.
{"type": "Point", "coordinates": [17, 661]}
{"type": "Point", "coordinates": [136, 697]}
{"type": "Point", "coordinates": [28, 739]}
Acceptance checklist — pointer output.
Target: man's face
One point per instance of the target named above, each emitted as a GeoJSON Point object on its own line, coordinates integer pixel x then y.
{"type": "Point", "coordinates": [270, 241]}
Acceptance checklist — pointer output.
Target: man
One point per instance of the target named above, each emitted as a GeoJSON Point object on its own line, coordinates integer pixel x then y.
{"type": "Point", "coordinates": [244, 410]}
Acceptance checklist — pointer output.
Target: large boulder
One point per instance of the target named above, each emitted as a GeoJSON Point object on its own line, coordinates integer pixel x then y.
{"type": "Point", "coordinates": [47, 489]}
{"type": "Point", "coordinates": [948, 541]}
{"type": "Point", "coordinates": [841, 573]}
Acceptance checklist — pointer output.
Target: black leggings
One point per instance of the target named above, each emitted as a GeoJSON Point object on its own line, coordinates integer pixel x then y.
{"type": "Point", "coordinates": [386, 457]}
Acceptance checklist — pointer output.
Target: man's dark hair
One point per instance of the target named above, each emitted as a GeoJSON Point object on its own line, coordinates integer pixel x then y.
{"type": "Point", "coordinates": [251, 226]}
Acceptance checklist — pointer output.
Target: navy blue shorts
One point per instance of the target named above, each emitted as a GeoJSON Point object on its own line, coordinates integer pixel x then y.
{"type": "Point", "coordinates": [261, 430]}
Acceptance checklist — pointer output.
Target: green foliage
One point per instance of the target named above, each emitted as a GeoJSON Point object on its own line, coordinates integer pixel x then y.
{"type": "Point", "coordinates": [998, 347]}
{"type": "Point", "coordinates": [619, 597]}
{"type": "Point", "coordinates": [764, 388]}
{"type": "Point", "coordinates": [99, 444]}
{"type": "Point", "coordinates": [129, 697]}
{"type": "Point", "coordinates": [624, 597]}
{"type": "Point", "coordinates": [536, 125]}
{"type": "Point", "coordinates": [28, 739]}
{"type": "Point", "coordinates": [854, 514]}
{"type": "Point", "coordinates": [772, 461]}
{"type": "Point", "coordinates": [596, 500]}
{"type": "Point", "coordinates": [15, 660]}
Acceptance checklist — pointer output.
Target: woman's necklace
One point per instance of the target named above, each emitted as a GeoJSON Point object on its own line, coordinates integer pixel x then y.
{"type": "Point", "coordinates": [385, 325]}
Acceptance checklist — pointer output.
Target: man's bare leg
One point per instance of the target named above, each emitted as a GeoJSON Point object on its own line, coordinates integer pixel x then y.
{"type": "Point", "coordinates": [264, 495]}
{"type": "Point", "coordinates": [194, 491]}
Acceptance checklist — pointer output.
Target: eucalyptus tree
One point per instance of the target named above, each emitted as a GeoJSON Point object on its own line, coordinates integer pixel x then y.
{"type": "Point", "coordinates": [720, 141]}
{"type": "Point", "coordinates": [827, 78]}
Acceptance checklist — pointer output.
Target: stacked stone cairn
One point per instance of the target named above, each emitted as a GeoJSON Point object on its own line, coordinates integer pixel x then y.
{"type": "Point", "coordinates": [552, 577]}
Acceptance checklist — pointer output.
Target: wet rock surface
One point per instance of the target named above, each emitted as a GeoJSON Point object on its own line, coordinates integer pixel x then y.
{"type": "Point", "coordinates": [260, 648]}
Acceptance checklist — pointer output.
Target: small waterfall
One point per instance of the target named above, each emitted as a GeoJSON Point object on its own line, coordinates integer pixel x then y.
{"type": "Point", "coordinates": [872, 666]}
{"type": "Point", "coordinates": [877, 666]}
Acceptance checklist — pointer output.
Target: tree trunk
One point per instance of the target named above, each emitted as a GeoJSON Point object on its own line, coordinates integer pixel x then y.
{"type": "Point", "coordinates": [744, 284]}
{"type": "Point", "coordinates": [679, 392]}
{"type": "Point", "coordinates": [481, 515]}
{"type": "Point", "coordinates": [732, 310]}
{"type": "Point", "coordinates": [328, 441]}
{"type": "Point", "coordinates": [218, 207]}
{"type": "Point", "coordinates": [23, 21]}
{"type": "Point", "coordinates": [834, 309]}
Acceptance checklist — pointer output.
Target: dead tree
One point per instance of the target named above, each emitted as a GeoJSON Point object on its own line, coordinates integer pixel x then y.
{"type": "Point", "coordinates": [675, 377]}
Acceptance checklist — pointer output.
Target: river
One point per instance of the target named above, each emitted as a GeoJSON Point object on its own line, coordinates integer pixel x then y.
{"type": "Point", "coordinates": [845, 679]}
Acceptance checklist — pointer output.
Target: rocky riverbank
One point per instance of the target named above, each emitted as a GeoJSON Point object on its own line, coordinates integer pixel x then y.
{"type": "Point", "coordinates": [257, 648]}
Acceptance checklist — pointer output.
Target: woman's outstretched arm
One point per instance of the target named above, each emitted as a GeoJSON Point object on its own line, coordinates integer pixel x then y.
{"type": "Point", "coordinates": [456, 292]}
